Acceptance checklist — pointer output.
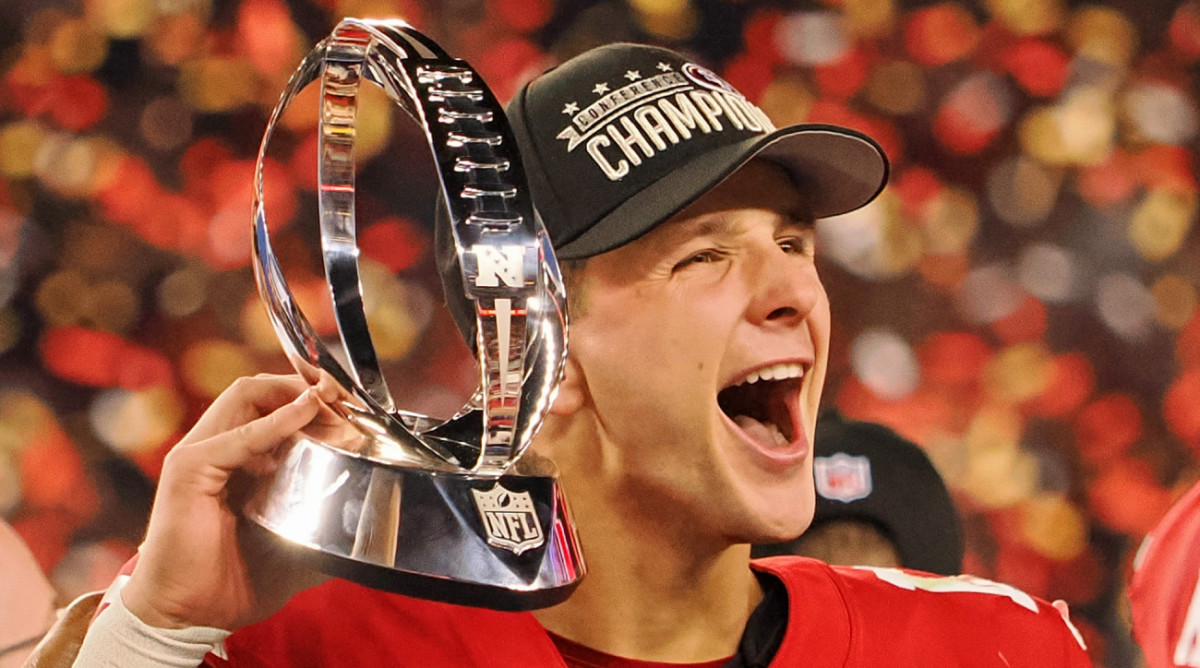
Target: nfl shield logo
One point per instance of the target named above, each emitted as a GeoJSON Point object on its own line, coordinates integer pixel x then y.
{"type": "Point", "coordinates": [509, 519]}
{"type": "Point", "coordinates": [842, 477]}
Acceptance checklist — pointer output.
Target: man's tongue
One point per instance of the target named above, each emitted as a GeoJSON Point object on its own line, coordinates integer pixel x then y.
{"type": "Point", "coordinates": [765, 433]}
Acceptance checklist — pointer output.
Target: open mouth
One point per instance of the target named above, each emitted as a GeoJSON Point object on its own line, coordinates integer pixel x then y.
{"type": "Point", "coordinates": [761, 404]}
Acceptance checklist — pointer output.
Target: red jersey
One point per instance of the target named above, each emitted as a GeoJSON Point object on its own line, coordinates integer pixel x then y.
{"type": "Point", "coordinates": [1164, 593]}
{"type": "Point", "coordinates": [836, 617]}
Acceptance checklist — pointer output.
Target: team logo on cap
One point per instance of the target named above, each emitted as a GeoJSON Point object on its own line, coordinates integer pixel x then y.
{"type": "Point", "coordinates": [649, 113]}
{"type": "Point", "coordinates": [509, 518]}
{"type": "Point", "coordinates": [843, 477]}
{"type": "Point", "coordinates": [708, 79]}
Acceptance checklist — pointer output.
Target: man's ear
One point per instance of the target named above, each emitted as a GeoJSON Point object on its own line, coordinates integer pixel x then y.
{"type": "Point", "coordinates": [572, 391]}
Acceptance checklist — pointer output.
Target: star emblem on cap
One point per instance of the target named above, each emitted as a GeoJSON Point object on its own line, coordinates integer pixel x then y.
{"type": "Point", "coordinates": [601, 88]}
{"type": "Point", "coordinates": [663, 67]}
{"type": "Point", "coordinates": [570, 108]}
{"type": "Point", "coordinates": [633, 75]}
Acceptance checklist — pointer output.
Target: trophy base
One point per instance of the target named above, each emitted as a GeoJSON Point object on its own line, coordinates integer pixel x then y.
{"type": "Point", "coordinates": [506, 543]}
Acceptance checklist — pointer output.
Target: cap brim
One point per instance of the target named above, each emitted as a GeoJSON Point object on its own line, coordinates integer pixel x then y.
{"type": "Point", "coordinates": [838, 169]}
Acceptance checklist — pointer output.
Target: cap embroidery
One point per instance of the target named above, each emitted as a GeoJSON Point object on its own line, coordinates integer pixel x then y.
{"type": "Point", "coordinates": [625, 126]}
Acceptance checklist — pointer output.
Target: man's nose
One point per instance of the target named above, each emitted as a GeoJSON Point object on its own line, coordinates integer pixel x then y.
{"type": "Point", "coordinates": [786, 288]}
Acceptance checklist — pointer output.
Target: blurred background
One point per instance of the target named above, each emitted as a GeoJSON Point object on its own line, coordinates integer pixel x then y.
{"type": "Point", "coordinates": [1021, 300]}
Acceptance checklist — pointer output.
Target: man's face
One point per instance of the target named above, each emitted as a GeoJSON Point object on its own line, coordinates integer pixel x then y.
{"type": "Point", "coordinates": [700, 357]}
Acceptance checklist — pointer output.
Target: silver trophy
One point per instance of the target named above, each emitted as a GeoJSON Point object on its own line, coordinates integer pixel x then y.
{"type": "Point", "coordinates": [442, 509]}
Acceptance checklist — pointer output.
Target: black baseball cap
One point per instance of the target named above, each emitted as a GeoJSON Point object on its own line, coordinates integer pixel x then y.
{"type": "Point", "coordinates": [618, 139]}
{"type": "Point", "coordinates": [621, 137]}
{"type": "Point", "coordinates": [868, 473]}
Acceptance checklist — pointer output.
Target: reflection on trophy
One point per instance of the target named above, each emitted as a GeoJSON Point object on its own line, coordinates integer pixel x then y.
{"type": "Point", "coordinates": [442, 509]}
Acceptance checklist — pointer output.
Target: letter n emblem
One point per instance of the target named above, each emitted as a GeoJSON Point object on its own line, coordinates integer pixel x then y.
{"type": "Point", "coordinates": [499, 264]}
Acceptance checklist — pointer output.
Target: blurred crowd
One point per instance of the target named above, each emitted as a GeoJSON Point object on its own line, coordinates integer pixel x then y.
{"type": "Point", "coordinates": [1021, 301]}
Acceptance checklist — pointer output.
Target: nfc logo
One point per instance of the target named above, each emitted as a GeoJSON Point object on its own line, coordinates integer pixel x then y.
{"type": "Point", "coordinates": [503, 264]}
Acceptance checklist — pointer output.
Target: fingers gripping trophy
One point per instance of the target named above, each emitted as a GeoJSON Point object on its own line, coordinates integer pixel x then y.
{"type": "Point", "coordinates": [450, 509]}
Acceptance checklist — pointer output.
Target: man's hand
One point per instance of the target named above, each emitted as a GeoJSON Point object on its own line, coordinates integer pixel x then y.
{"type": "Point", "coordinates": [202, 564]}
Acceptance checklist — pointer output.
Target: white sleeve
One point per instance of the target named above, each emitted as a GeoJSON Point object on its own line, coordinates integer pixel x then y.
{"type": "Point", "coordinates": [118, 639]}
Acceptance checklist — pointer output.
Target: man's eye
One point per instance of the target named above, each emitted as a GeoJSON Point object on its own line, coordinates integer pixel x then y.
{"type": "Point", "coordinates": [703, 257]}
{"type": "Point", "coordinates": [799, 245]}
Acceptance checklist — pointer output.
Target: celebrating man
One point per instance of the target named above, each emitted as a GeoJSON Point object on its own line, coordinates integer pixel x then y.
{"type": "Point", "coordinates": [682, 427]}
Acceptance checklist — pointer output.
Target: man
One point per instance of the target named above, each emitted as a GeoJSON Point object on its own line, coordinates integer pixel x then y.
{"type": "Point", "coordinates": [26, 599]}
{"type": "Point", "coordinates": [699, 343]}
{"type": "Point", "coordinates": [880, 502]}
{"type": "Point", "coordinates": [1164, 590]}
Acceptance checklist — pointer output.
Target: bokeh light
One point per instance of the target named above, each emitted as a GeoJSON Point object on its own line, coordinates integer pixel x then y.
{"type": "Point", "coordinates": [1047, 272]}
{"type": "Point", "coordinates": [1054, 527]}
{"type": "Point", "coordinates": [209, 366]}
{"type": "Point", "coordinates": [1176, 298]}
{"type": "Point", "coordinates": [132, 422]}
{"type": "Point", "coordinates": [1023, 191]}
{"type": "Point", "coordinates": [1161, 222]}
{"type": "Point", "coordinates": [1028, 17]}
{"type": "Point", "coordinates": [811, 38]}
{"type": "Point", "coordinates": [988, 294]}
{"type": "Point", "coordinates": [885, 363]}
{"type": "Point", "coordinates": [1125, 306]}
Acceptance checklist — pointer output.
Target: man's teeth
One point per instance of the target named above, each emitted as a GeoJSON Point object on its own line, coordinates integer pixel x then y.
{"type": "Point", "coordinates": [775, 372]}
{"type": "Point", "coordinates": [765, 432]}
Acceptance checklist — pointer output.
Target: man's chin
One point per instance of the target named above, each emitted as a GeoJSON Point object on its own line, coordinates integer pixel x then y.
{"type": "Point", "coordinates": [782, 528]}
